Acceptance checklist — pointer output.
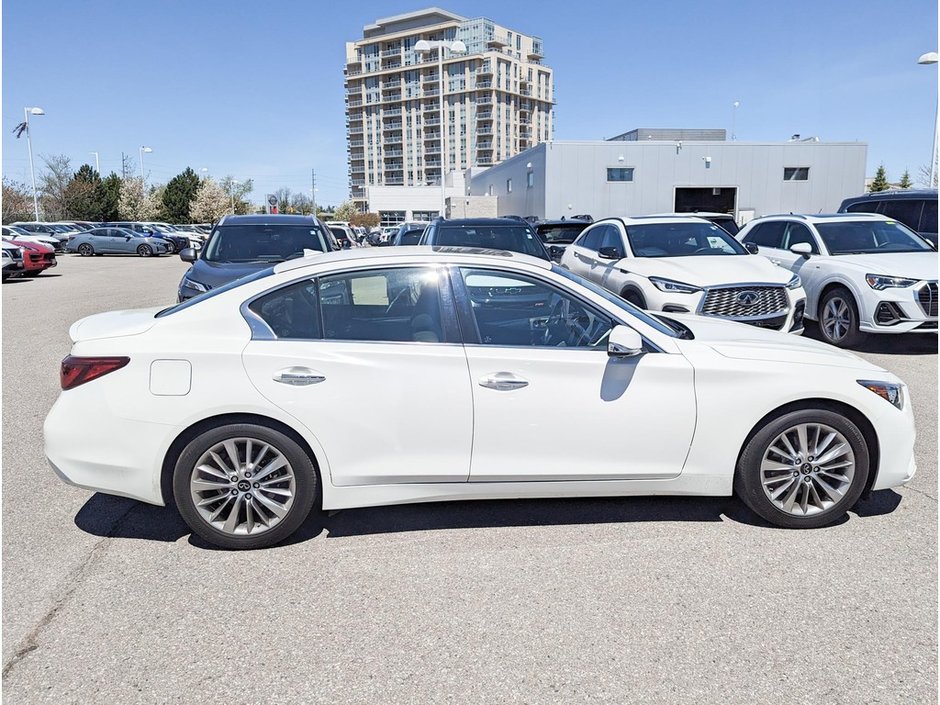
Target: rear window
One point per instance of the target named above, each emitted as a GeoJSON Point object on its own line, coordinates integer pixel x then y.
{"type": "Point", "coordinates": [514, 238]}
{"type": "Point", "coordinates": [262, 243]}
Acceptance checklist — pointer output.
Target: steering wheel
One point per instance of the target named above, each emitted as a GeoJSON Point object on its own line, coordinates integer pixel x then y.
{"type": "Point", "coordinates": [705, 249]}
{"type": "Point", "coordinates": [394, 301]}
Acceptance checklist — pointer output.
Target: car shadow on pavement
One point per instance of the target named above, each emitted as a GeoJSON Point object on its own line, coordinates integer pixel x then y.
{"type": "Point", "coordinates": [905, 344]}
{"type": "Point", "coordinates": [117, 517]}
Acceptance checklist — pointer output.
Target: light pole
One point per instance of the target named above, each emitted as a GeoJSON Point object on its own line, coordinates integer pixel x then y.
{"type": "Point", "coordinates": [29, 147]}
{"type": "Point", "coordinates": [456, 47]}
{"type": "Point", "coordinates": [97, 165]}
{"type": "Point", "coordinates": [734, 117]}
{"type": "Point", "coordinates": [143, 151]}
{"type": "Point", "coordinates": [929, 59]}
{"type": "Point", "coordinates": [231, 192]}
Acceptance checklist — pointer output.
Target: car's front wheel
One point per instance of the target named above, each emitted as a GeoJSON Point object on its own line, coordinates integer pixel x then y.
{"type": "Point", "coordinates": [86, 250]}
{"type": "Point", "coordinates": [170, 247]}
{"type": "Point", "coordinates": [144, 250]}
{"type": "Point", "coordinates": [838, 318]}
{"type": "Point", "coordinates": [244, 486]}
{"type": "Point", "coordinates": [804, 469]}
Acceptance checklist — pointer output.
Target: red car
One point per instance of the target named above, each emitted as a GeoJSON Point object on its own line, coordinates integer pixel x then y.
{"type": "Point", "coordinates": [37, 257]}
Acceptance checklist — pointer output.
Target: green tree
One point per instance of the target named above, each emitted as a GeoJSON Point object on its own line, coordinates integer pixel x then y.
{"type": "Point", "coordinates": [110, 197]}
{"type": "Point", "coordinates": [17, 201]}
{"type": "Point", "coordinates": [345, 211]}
{"type": "Point", "coordinates": [905, 181]}
{"type": "Point", "coordinates": [178, 196]}
{"type": "Point", "coordinates": [880, 182]}
{"type": "Point", "coordinates": [83, 195]}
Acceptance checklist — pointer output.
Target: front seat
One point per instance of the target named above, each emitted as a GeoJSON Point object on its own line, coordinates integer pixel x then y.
{"type": "Point", "coordinates": [426, 321]}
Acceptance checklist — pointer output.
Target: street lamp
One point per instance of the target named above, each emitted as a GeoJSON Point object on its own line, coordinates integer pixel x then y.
{"type": "Point", "coordinates": [29, 146]}
{"type": "Point", "coordinates": [231, 191]}
{"type": "Point", "coordinates": [930, 59]}
{"type": "Point", "coordinates": [424, 46]}
{"type": "Point", "coordinates": [143, 151]}
{"type": "Point", "coordinates": [97, 165]}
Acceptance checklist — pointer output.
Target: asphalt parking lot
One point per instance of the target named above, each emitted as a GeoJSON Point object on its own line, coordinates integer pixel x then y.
{"type": "Point", "coordinates": [642, 600]}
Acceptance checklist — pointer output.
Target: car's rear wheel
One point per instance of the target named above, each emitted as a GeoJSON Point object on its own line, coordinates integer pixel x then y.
{"type": "Point", "coordinates": [244, 486]}
{"type": "Point", "coordinates": [804, 469]}
{"type": "Point", "coordinates": [86, 250]}
{"type": "Point", "coordinates": [838, 318]}
{"type": "Point", "coordinates": [144, 250]}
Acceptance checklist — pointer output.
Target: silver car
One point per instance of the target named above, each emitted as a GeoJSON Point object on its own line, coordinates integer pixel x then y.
{"type": "Point", "coordinates": [116, 241]}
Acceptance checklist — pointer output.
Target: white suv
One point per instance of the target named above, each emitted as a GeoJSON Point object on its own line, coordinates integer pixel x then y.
{"type": "Point", "coordinates": [863, 273]}
{"type": "Point", "coordinates": [683, 264]}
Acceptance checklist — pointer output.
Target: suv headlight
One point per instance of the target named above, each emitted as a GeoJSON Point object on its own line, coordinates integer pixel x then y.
{"type": "Point", "coordinates": [194, 284]}
{"type": "Point", "coordinates": [879, 282]}
{"type": "Point", "coordinates": [891, 392]}
{"type": "Point", "coordinates": [674, 286]}
{"type": "Point", "coordinates": [795, 282]}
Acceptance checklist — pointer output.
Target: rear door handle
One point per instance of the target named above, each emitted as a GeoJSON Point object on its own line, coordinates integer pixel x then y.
{"type": "Point", "coordinates": [298, 376]}
{"type": "Point", "coordinates": [503, 381]}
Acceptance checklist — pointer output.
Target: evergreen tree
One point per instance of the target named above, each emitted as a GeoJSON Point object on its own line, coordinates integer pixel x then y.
{"type": "Point", "coordinates": [905, 181]}
{"type": "Point", "coordinates": [110, 196]}
{"type": "Point", "coordinates": [880, 182]}
{"type": "Point", "coordinates": [83, 195]}
{"type": "Point", "coordinates": [178, 196]}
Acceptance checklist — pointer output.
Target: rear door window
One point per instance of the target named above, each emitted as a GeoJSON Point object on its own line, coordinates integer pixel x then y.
{"type": "Point", "coordinates": [906, 210]}
{"type": "Point", "coordinates": [865, 207]}
{"type": "Point", "coordinates": [591, 240]}
{"type": "Point", "coordinates": [928, 218]}
{"type": "Point", "coordinates": [768, 234]}
{"type": "Point", "coordinates": [796, 233]}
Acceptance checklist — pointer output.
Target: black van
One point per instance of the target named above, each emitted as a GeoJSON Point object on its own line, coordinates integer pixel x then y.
{"type": "Point", "coordinates": [917, 209]}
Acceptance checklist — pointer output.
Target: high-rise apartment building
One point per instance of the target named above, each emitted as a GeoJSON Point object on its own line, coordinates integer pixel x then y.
{"type": "Point", "coordinates": [498, 98]}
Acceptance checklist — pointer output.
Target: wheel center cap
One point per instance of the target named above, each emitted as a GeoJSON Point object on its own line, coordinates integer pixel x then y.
{"type": "Point", "coordinates": [244, 485]}
{"type": "Point", "coordinates": [806, 468]}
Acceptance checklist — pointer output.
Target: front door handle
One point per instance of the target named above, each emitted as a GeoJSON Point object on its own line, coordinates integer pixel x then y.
{"type": "Point", "coordinates": [503, 381]}
{"type": "Point", "coordinates": [298, 376]}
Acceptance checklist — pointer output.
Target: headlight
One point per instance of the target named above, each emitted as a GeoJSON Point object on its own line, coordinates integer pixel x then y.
{"type": "Point", "coordinates": [194, 284]}
{"type": "Point", "coordinates": [889, 391]}
{"type": "Point", "coordinates": [878, 282]}
{"type": "Point", "coordinates": [674, 286]}
{"type": "Point", "coordinates": [795, 282]}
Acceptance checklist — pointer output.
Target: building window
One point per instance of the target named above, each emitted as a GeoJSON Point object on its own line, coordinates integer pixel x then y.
{"type": "Point", "coordinates": [392, 217]}
{"type": "Point", "coordinates": [530, 180]}
{"type": "Point", "coordinates": [620, 174]}
{"type": "Point", "coordinates": [424, 216]}
{"type": "Point", "coordinates": [508, 185]}
{"type": "Point", "coordinates": [796, 173]}
{"type": "Point", "coordinates": [489, 191]}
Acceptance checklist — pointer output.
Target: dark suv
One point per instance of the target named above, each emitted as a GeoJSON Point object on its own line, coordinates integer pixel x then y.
{"type": "Point", "coordinates": [485, 233]}
{"type": "Point", "coordinates": [917, 209]}
{"type": "Point", "coordinates": [240, 245]}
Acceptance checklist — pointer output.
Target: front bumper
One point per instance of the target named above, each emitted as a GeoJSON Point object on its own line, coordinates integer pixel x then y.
{"type": "Point", "coordinates": [909, 310]}
{"type": "Point", "coordinates": [787, 319]}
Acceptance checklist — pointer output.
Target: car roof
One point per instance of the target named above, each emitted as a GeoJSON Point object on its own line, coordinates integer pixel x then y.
{"type": "Point", "coordinates": [481, 221]}
{"type": "Point", "coordinates": [894, 194]}
{"type": "Point", "coordinates": [823, 217]}
{"type": "Point", "coordinates": [267, 219]}
{"type": "Point", "coordinates": [653, 219]}
{"type": "Point", "coordinates": [573, 221]}
{"type": "Point", "coordinates": [417, 253]}
{"type": "Point", "coordinates": [693, 214]}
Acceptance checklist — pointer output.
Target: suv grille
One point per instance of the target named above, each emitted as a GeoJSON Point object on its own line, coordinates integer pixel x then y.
{"type": "Point", "coordinates": [927, 296]}
{"type": "Point", "coordinates": [745, 302]}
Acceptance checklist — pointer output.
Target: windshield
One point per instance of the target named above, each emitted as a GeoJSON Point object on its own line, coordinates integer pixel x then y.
{"type": "Point", "coordinates": [560, 234]}
{"type": "Point", "coordinates": [61, 228]}
{"type": "Point", "coordinates": [857, 237]}
{"type": "Point", "coordinates": [261, 243]}
{"type": "Point", "coordinates": [727, 224]}
{"type": "Point", "coordinates": [681, 240]}
{"type": "Point", "coordinates": [514, 238]}
{"type": "Point", "coordinates": [624, 306]}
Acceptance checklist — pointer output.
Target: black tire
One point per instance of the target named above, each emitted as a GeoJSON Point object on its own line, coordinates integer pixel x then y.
{"type": "Point", "coordinates": [86, 250]}
{"type": "Point", "coordinates": [144, 250]}
{"type": "Point", "coordinates": [634, 297]}
{"type": "Point", "coordinates": [747, 480]}
{"type": "Point", "coordinates": [839, 297]}
{"type": "Point", "coordinates": [170, 247]}
{"type": "Point", "coordinates": [34, 273]}
{"type": "Point", "coordinates": [305, 477]}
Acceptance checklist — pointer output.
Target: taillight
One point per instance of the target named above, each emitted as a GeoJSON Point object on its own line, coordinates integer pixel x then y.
{"type": "Point", "coordinates": [78, 370]}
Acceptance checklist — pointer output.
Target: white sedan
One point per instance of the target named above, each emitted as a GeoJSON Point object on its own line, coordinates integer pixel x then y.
{"type": "Point", "coordinates": [863, 273]}
{"type": "Point", "coordinates": [684, 264]}
{"type": "Point", "coordinates": [237, 402]}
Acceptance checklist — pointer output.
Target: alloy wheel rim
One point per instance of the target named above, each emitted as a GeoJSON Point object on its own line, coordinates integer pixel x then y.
{"type": "Point", "coordinates": [243, 486]}
{"type": "Point", "coordinates": [807, 469]}
{"type": "Point", "coordinates": [837, 319]}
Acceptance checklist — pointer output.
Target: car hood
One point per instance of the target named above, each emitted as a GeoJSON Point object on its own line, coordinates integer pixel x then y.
{"type": "Point", "coordinates": [114, 324]}
{"type": "Point", "coordinates": [744, 342]}
{"type": "Point", "coordinates": [33, 245]}
{"type": "Point", "coordinates": [916, 265]}
{"type": "Point", "coordinates": [215, 274]}
{"type": "Point", "coordinates": [709, 270]}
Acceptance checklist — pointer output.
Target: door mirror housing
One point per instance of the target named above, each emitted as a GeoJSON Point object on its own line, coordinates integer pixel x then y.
{"type": "Point", "coordinates": [752, 248]}
{"type": "Point", "coordinates": [555, 252]}
{"type": "Point", "coordinates": [624, 342]}
{"type": "Point", "coordinates": [610, 253]}
{"type": "Point", "coordinates": [802, 248]}
{"type": "Point", "coordinates": [188, 254]}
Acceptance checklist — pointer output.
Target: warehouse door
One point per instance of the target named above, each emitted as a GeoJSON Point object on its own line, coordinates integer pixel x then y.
{"type": "Point", "coordinates": [712, 200]}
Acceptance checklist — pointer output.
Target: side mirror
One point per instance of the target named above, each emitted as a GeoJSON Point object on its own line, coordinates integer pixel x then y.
{"type": "Point", "coordinates": [188, 254]}
{"type": "Point", "coordinates": [752, 248]}
{"type": "Point", "coordinates": [624, 342]}
{"type": "Point", "coordinates": [555, 252]}
{"type": "Point", "coordinates": [610, 253]}
{"type": "Point", "coordinates": [802, 248]}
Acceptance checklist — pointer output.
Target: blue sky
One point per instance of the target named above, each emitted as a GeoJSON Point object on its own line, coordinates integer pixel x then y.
{"type": "Point", "coordinates": [255, 89]}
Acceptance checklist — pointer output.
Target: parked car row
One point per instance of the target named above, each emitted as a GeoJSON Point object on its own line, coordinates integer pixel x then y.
{"type": "Point", "coordinates": [26, 255]}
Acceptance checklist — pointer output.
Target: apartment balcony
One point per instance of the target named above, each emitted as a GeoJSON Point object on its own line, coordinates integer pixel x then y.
{"type": "Point", "coordinates": [394, 139]}
{"type": "Point", "coordinates": [391, 98]}
{"type": "Point", "coordinates": [394, 166]}
{"type": "Point", "coordinates": [431, 78]}
{"type": "Point", "coordinates": [485, 70]}
{"type": "Point", "coordinates": [430, 107]}
{"type": "Point", "coordinates": [525, 91]}
{"type": "Point", "coordinates": [484, 130]}
{"type": "Point", "coordinates": [431, 136]}
{"type": "Point", "coordinates": [487, 115]}
{"type": "Point", "coordinates": [395, 181]}
{"type": "Point", "coordinates": [432, 150]}
{"type": "Point", "coordinates": [431, 92]}
{"type": "Point", "coordinates": [484, 85]}
{"type": "Point", "coordinates": [484, 146]}
{"type": "Point", "coordinates": [431, 122]}
{"type": "Point", "coordinates": [391, 127]}
{"type": "Point", "coordinates": [485, 100]}
{"type": "Point", "coordinates": [497, 42]}
{"type": "Point", "coordinates": [354, 130]}
{"type": "Point", "coordinates": [357, 182]}
{"type": "Point", "coordinates": [354, 103]}
{"type": "Point", "coordinates": [535, 55]}
{"type": "Point", "coordinates": [432, 163]}
{"type": "Point", "coordinates": [524, 107]}
{"type": "Point", "coordinates": [354, 116]}
{"type": "Point", "coordinates": [391, 52]}
{"type": "Point", "coordinates": [355, 143]}
{"type": "Point", "coordinates": [525, 121]}
{"type": "Point", "coordinates": [392, 85]}
{"type": "Point", "coordinates": [390, 112]}
{"type": "Point", "coordinates": [354, 72]}
{"type": "Point", "coordinates": [390, 153]}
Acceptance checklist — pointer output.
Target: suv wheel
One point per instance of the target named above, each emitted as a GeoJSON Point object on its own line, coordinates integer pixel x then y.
{"type": "Point", "coordinates": [838, 318]}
